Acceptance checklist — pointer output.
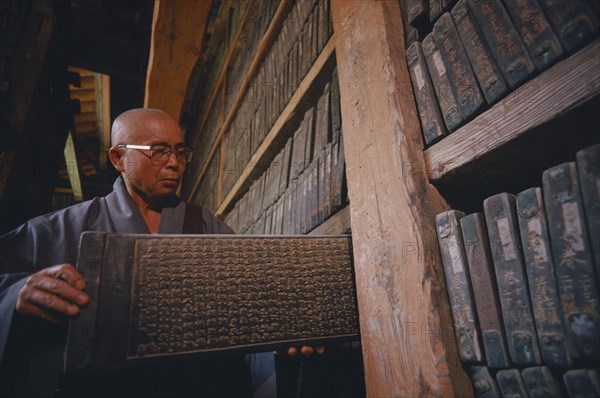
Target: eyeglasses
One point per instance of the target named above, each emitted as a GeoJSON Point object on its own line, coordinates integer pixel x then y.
{"type": "Point", "coordinates": [160, 153]}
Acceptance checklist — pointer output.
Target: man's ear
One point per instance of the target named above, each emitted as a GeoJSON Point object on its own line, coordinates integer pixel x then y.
{"type": "Point", "coordinates": [116, 158]}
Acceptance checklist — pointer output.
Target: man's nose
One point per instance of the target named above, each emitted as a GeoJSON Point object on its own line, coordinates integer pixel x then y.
{"type": "Point", "coordinates": [173, 161]}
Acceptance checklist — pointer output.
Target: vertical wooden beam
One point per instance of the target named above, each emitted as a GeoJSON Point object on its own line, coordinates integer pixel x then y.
{"type": "Point", "coordinates": [73, 168]}
{"type": "Point", "coordinates": [178, 29]}
{"type": "Point", "coordinates": [222, 137]}
{"type": "Point", "coordinates": [221, 172]}
{"type": "Point", "coordinates": [409, 348]}
{"type": "Point", "coordinates": [103, 115]}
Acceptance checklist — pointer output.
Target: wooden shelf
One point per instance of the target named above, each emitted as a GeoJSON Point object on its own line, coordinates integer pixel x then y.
{"type": "Point", "coordinates": [264, 46]}
{"type": "Point", "coordinates": [558, 90]}
{"type": "Point", "coordinates": [337, 224]}
{"type": "Point", "coordinates": [289, 110]}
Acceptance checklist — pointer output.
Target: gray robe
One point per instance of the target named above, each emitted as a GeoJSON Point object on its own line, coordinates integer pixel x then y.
{"type": "Point", "coordinates": [30, 350]}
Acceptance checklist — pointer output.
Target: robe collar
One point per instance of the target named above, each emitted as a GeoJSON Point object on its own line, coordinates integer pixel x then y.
{"type": "Point", "coordinates": [127, 218]}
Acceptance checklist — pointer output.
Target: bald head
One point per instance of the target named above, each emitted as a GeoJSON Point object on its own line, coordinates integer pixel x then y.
{"type": "Point", "coordinates": [146, 178]}
{"type": "Point", "coordinates": [131, 126]}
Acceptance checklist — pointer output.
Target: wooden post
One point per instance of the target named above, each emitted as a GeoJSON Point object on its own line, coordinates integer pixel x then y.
{"type": "Point", "coordinates": [178, 29]}
{"type": "Point", "coordinates": [407, 337]}
{"type": "Point", "coordinates": [73, 167]}
{"type": "Point", "coordinates": [103, 115]}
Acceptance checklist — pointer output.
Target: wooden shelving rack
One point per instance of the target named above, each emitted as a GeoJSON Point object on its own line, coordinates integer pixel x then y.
{"type": "Point", "coordinates": [556, 91]}
{"type": "Point", "coordinates": [263, 47]}
{"type": "Point", "coordinates": [277, 129]}
{"type": "Point", "coordinates": [408, 343]}
{"type": "Point", "coordinates": [409, 347]}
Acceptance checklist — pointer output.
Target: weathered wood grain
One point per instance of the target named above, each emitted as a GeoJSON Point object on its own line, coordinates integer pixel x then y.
{"type": "Point", "coordinates": [178, 29]}
{"type": "Point", "coordinates": [339, 223]}
{"type": "Point", "coordinates": [409, 348]}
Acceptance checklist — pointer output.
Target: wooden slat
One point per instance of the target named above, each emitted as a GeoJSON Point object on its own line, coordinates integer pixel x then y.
{"type": "Point", "coordinates": [177, 33]}
{"type": "Point", "coordinates": [83, 128]}
{"type": "Point", "coordinates": [84, 94]}
{"type": "Point", "coordinates": [73, 168]}
{"type": "Point", "coordinates": [337, 224]}
{"type": "Point", "coordinates": [554, 92]}
{"type": "Point", "coordinates": [261, 52]}
{"type": "Point", "coordinates": [409, 349]}
{"type": "Point", "coordinates": [87, 117]}
{"type": "Point", "coordinates": [220, 180]}
{"type": "Point", "coordinates": [272, 135]}
{"type": "Point", "coordinates": [88, 80]}
{"type": "Point", "coordinates": [88, 106]}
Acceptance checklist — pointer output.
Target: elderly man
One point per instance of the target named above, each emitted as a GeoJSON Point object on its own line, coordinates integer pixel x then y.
{"type": "Point", "coordinates": [40, 288]}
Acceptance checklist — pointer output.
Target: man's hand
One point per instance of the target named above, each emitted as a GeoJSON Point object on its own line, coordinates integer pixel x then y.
{"type": "Point", "coordinates": [51, 291]}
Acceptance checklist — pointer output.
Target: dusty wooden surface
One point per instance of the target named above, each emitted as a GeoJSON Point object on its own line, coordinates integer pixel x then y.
{"type": "Point", "coordinates": [408, 344]}
{"type": "Point", "coordinates": [177, 32]}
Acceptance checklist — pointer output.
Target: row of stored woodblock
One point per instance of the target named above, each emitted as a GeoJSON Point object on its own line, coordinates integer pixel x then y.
{"type": "Point", "coordinates": [213, 99]}
{"type": "Point", "coordinates": [304, 33]}
{"type": "Point", "coordinates": [481, 51]}
{"type": "Point", "coordinates": [304, 183]}
{"type": "Point", "coordinates": [523, 278]}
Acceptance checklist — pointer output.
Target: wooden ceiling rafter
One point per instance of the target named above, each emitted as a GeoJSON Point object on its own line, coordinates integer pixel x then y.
{"type": "Point", "coordinates": [178, 29]}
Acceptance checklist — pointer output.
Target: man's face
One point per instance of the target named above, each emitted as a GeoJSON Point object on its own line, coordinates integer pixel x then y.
{"type": "Point", "coordinates": [148, 177]}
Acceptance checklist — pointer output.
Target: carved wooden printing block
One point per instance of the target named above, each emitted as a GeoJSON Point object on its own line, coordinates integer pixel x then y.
{"type": "Point", "coordinates": [165, 296]}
